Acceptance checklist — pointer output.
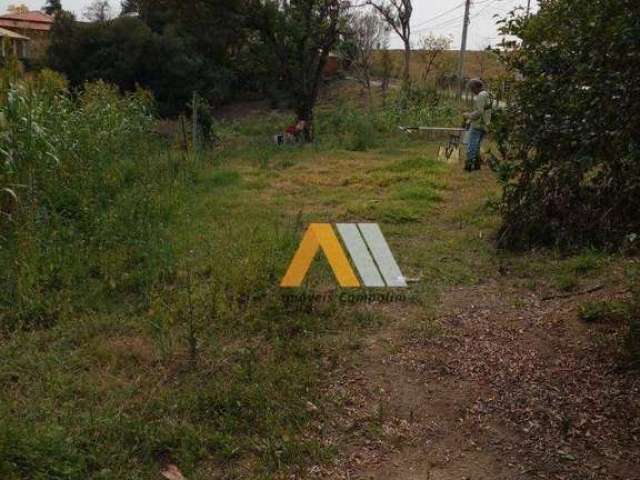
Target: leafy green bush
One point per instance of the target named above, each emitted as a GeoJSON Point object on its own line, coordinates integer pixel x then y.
{"type": "Point", "coordinates": [571, 166]}
{"type": "Point", "coordinates": [362, 135]}
{"type": "Point", "coordinates": [348, 127]}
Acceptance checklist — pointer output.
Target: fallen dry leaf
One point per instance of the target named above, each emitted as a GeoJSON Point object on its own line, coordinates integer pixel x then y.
{"type": "Point", "coordinates": [171, 472]}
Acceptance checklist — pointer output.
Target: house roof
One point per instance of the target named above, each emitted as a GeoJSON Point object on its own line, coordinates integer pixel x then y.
{"type": "Point", "coordinates": [10, 34]}
{"type": "Point", "coordinates": [34, 20]}
{"type": "Point", "coordinates": [33, 16]}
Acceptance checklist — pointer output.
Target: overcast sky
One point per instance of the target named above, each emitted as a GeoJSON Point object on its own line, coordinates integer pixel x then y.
{"type": "Point", "coordinates": [442, 17]}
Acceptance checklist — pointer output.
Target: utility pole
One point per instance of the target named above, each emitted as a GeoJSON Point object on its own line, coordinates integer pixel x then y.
{"type": "Point", "coordinates": [528, 7]}
{"type": "Point", "coordinates": [463, 47]}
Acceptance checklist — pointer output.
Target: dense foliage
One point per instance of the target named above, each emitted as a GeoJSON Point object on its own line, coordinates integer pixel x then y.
{"type": "Point", "coordinates": [82, 206]}
{"type": "Point", "coordinates": [221, 49]}
{"type": "Point", "coordinates": [571, 170]}
{"type": "Point", "coordinates": [168, 49]}
{"type": "Point", "coordinates": [296, 39]}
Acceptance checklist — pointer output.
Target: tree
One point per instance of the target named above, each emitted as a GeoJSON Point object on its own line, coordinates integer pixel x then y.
{"type": "Point", "coordinates": [397, 14]}
{"type": "Point", "coordinates": [365, 33]}
{"type": "Point", "coordinates": [52, 7]}
{"type": "Point", "coordinates": [298, 36]}
{"type": "Point", "coordinates": [386, 67]}
{"type": "Point", "coordinates": [129, 6]}
{"type": "Point", "coordinates": [98, 11]}
{"type": "Point", "coordinates": [571, 158]}
{"type": "Point", "coordinates": [167, 50]}
{"type": "Point", "coordinates": [431, 50]}
{"type": "Point", "coordinates": [63, 46]}
{"type": "Point", "coordinates": [209, 38]}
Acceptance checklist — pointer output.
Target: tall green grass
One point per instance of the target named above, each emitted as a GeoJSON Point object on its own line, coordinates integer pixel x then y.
{"type": "Point", "coordinates": [85, 196]}
{"type": "Point", "coordinates": [352, 127]}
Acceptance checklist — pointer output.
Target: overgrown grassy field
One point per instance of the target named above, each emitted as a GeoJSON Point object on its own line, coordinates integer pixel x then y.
{"type": "Point", "coordinates": [157, 334]}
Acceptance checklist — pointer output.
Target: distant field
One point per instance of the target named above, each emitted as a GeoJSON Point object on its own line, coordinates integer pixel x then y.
{"type": "Point", "coordinates": [480, 64]}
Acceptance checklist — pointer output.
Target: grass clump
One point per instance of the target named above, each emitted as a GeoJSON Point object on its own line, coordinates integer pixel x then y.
{"type": "Point", "coordinates": [586, 262]}
{"type": "Point", "coordinates": [566, 281]}
{"type": "Point", "coordinates": [603, 311]}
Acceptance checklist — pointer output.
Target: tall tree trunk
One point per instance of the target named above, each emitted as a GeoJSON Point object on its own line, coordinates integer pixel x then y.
{"type": "Point", "coordinates": [305, 109]}
{"type": "Point", "coordinates": [406, 76]}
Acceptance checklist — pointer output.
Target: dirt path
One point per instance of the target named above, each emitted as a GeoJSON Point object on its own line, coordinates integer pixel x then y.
{"type": "Point", "coordinates": [501, 384]}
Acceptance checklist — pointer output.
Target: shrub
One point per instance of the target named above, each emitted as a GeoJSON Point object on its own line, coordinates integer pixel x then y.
{"type": "Point", "coordinates": [353, 128]}
{"type": "Point", "coordinates": [571, 166]}
{"type": "Point", "coordinates": [362, 135]}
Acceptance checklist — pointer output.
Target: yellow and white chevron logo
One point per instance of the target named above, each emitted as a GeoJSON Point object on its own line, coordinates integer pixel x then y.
{"type": "Point", "coordinates": [367, 248]}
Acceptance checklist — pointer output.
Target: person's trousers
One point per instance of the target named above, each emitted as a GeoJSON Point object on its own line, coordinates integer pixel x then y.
{"type": "Point", "coordinates": [476, 135]}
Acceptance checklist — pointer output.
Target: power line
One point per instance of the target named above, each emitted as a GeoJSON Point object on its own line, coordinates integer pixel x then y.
{"type": "Point", "coordinates": [477, 14]}
{"type": "Point", "coordinates": [445, 23]}
{"type": "Point", "coordinates": [452, 21]}
{"type": "Point", "coordinates": [439, 16]}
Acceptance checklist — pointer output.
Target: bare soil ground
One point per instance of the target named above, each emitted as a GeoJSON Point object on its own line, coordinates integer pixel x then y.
{"type": "Point", "coordinates": [503, 383]}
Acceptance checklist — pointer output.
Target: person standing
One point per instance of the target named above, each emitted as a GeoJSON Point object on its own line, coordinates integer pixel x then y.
{"type": "Point", "coordinates": [480, 120]}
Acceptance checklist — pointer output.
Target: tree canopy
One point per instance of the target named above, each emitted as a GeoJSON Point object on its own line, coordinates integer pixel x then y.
{"type": "Point", "coordinates": [168, 49]}
{"type": "Point", "coordinates": [297, 37]}
{"type": "Point", "coordinates": [52, 7]}
{"type": "Point", "coordinates": [571, 171]}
